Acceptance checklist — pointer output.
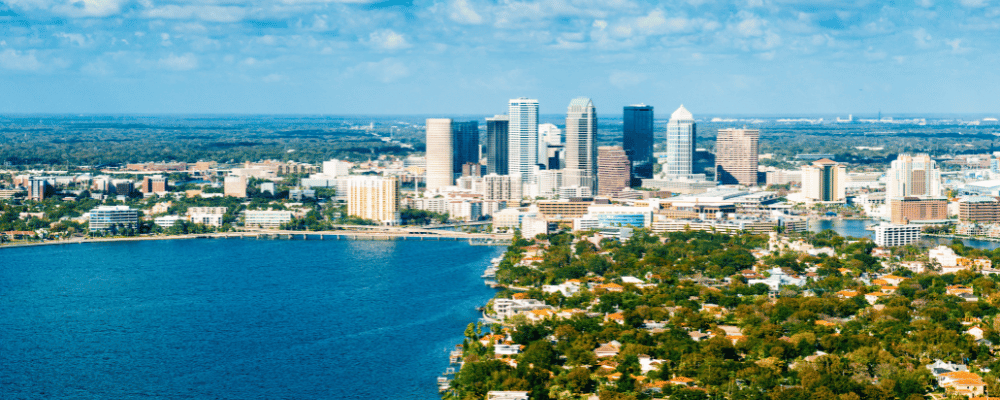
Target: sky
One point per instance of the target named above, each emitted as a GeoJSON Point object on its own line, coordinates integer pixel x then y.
{"type": "Point", "coordinates": [455, 57]}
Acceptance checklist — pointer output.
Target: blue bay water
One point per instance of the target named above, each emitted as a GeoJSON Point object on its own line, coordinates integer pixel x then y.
{"type": "Point", "coordinates": [235, 319]}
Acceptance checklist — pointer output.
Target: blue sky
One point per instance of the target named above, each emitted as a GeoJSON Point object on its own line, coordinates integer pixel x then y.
{"type": "Point", "coordinates": [453, 57]}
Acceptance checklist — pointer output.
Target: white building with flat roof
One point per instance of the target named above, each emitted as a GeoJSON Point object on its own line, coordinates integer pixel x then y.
{"type": "Point", "coordinates": [266, 219]}
{"type": "Point", "coordinates": [890, 235]}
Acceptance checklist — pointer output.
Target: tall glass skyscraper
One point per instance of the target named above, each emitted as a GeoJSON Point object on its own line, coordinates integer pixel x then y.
{"type": "Point", "coordinates": [440, 153]}
{"type": "Point", "coordinates": [680, 143]}
{"type": "Point", "coordinates": [581, 144]}
{"type": "Point", "coordinates": [638, 139]}
{"type": "Point", "coordinates": [466, 144]}
{"type": "Point", "coordinates": [497, 144]}
{"type": "Point", "coordinates": [523, 137]}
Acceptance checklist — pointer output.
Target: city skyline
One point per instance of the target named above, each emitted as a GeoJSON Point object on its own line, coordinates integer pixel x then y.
{"type": "Point", "coordinates": [465, 56]}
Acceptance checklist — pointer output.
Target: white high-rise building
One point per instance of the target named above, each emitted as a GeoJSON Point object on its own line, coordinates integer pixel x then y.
{"type": "Point", "coordinates": [824, 181]}
{"type": "Point", "coordinates": [375, 198]}
{"type": "Point", "coordinates": [916, 175]}
{"type": "Point", "coordinates": [581, 143]}
{"type": "Point", "coordinates": [523, 137]}
{"type": "Point", "coordinates": [440, 150]}
{"type": "Point", "coordinates": [680, 143]}
{"type": "Point", "coordinates": [335, 168]}
{"type": "Point", "coordinates": [550, 133]}
{"type": "Point", "coordinates": [502, 188]}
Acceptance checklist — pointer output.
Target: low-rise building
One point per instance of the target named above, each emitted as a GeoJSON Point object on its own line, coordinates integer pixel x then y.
{"type": "Point", "coordinates": [266, 219]}
{"type": "Point", "coordinates": [107, 217]}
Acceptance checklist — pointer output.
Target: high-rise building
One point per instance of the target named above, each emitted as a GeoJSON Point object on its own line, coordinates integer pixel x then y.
{"type": "Point", "coordinates": [154, 184]}
{"type": "Point", "coordinates": [550, 134]}
{"type": "Point", "coordinates": [523, 137]}
{"type": "Point", "coordinates": [375, 198]}
{"type": "Point", "coordinates": [497, 142]}
{"type": "Point", "coordinates": [109, 217]}
{"type": "Point", "coordinates": [440, 153]}
{"type": "Point", "coordinates": [581, 143]}
{"type": "Point", "coordinates": [681, 132]}
{"type": "Point", "coordinates": [472, 169]}
{"type": "Point", "coordinates": [123, 187]}
{"type": "Point", "coordinates": [502, 188]}
{"type": "Point", "coordinates": [824, 181]}
{"type": "Point", "coordinates": [335, 168]}
{"type": "Point", "coordinates": [235, 185]}
{"type": "Point", "coordinates": [38, 189]}
{"type": "Point", "coordinates": [904, 210]}
{"type": "Point", "coordinates": [916, 175]}
{"type": "Point", "coordinates": [613, 170]}
{"type": "Point", "coordinates": [736, 152]}
{"type": "Point", "coordinates": [465, 144]}
{"type": "Point", "coordinates": [637, 137]}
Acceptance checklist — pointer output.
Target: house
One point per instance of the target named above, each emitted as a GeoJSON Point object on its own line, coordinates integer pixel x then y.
{"type": "Point", "coordinates": [538, 315]}
{"type": "Point", "coordinates": [682, 381]}
{"type": "Point", "coordinates": [505, 308]}
{"type": "Point", "coordinates": [567, 288]}
{"type": "Point", "coordinates": [962, 383]}
{"type": "Point", "coordinates": [873, 297]}
{"type": "Point", "coordinates": [844, 294]}
{"type": "Point", "coordinates": [777, 279]}
{"type": "Point", "coordinates": [699, 335]}
{"type": "Point", "coordinates": [939, 367]}
{"type": "Point", "coordinates": [944, 256]}
{"type": "Point", "coordinates": [975, 332]}
{"type": "Point", "coordinates": [647, 363]}
{"type": "Point", "coordinates": [611, 287]}
{"type": "Point", "coordinates": [506, 349]}
{"type": "Point", "coordinates": [617, 317]}
{"type": "Point", "coordinates": [507, 395]}
{"type": "Point", "coordinates": [915, 266]}
{"type": "Point", "coordinates": [609, 349]}
{"type": "Point", "coordinates": [825, 323]}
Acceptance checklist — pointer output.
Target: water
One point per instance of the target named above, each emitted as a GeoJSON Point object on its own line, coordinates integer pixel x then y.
{"type": "Point", "coordinates": [235, 319]}
{"type": "Point", "coordinates": [856, 228]}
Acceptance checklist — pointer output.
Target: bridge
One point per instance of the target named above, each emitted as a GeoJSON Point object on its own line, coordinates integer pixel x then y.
{"type": "Point", "coordinates": [372, 233]}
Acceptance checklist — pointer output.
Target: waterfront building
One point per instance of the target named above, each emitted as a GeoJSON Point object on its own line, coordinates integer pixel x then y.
{"type": "Point", "coordinates": [266, 219]}
{"type": "Point", "coordinates": [613, 215]}
{"type": "Point", "coordinates": [440, 153]}
{"type": "Point", "coordinates": [235, 186]}
{"type": "Point", "coordinates": [637, 138]}
{"type": "Point", "coordinates": [581, 143]}
{"type": "Point", "coordinates": [523, 138]}
{"type": "Point", "coordinates": [106, 217]}
{"type": "Point", "coordinates": [983, 209]}
{"type": "Point", "coordinates": [913, 175]}
{"type": "Point", "coordinates": [502, 188]}
{"type": "Point", "coordinates": [736, 156]}
{"type": "Point", "coordinates": [890, 235]}
{"type": "Point", "coordinates": [507, 219]}
{"type": "Point", "coordinates": [374, 198]}
{"type": "Point", "coordinates": [167, 221]}
{"type": "Point", "coordinates": [154, 184]}
{"type": "Point", "coordinates": [465, 210]}
{"type": "Point", "coordinates": [497, 144]}
{"type": "Point", "coordinates": [824, 181]}
{"type": "Point", "coordinates": [613, 171]}
{"type": "Point", "coordinates": [211, 216]}
{"type": "Point", "coordinates": [340, 184]}
{"type": "Point", "coordinates": [465, 141]}
{"type": "Point", "coordinates": [681, 132]}
{"type": "Point", "coordinates": [905, 210]}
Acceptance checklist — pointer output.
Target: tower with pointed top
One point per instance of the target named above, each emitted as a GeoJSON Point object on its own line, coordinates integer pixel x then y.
{"type": "Point", "coordinates": [680, 143]}
{"type": "Point", "coordinates": [581, 144]}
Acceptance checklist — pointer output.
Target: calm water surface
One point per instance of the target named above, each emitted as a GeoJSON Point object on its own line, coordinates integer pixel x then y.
{"type": "Point", "coordinates": [856, 228]}
{"type": "Point", "coordinates": [235, 319]}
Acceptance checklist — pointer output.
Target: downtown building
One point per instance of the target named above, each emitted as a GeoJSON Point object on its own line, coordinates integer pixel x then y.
{"type": "Point", "coordinates": [581, 144]}
{"type": "Point", "coordinates": [505, 188]}
{"type": "Point", "coordinates": [450, 145]}
{"type": "Point", "coordinates": [824, 181]}
{"type": "Point", "coordinates": [614, 171]}
{"type": "Point", "coordinates": [637, 139]}
{"type": "Point", "coordinates": [736, 152]}
{"type": "Point", "coordinates": [522, 138]}
{"type": "Point", "coordinates": [681, 131]}
{"type": "Point", "coordinates": [916, 175]}
{"type": "Point", "coordinates": [374, 198]}
{"type": "Point", "coordinates": [497, 144]}
{"type": "Point", "coordinates": [108, 217]}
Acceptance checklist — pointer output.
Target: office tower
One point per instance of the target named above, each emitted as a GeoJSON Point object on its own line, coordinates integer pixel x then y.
{"type": "Point", "coordinates": [465, 144]}
{"type": "Point", "coordinates": [440, 153]}
{"type": "Point", "coordinates": [680, 143]}
{"type": "Point", "coordinates": [523, 137]}
{"type": "Point", "coordinates": [581, 143]}
{"type": "Point", "coordinates": [637, 137]}
{"type": "Point", "coordinates": [736, 152]}
{"type": "Point", "coordinates": [38, 188]}
{"type": "Point", "coordinates": [472, 169]}
{"type": "Point", "coordinates": [502, 188]}
{"type": "Point", "coordinates": [916, 175]}
{"type": "Point", "coordinates": [154, 184]}
{"type": "Point", "coordinates": [235, 185]}
{"type": "Point", "coordinates": [824, 181]}
{"type": "Point", "coordinates": [550, 134]}
{"type": "Point", "coordinates": [123, 187]}
{"type": "Point", "coordinates": [904, 210]}
{"type": "Point", "coordinates": [111, 217]}
{"type": "Point", "coordinates": [335, 168]}
{"type": "Point", "coordinates": [613, 170]}
{"type": "Point", "coordinates": [375, 198]}
{"type": "Point", "coordinates": [497, 144]}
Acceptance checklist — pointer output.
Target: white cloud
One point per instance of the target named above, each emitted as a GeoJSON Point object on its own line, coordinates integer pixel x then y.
{"type": "Point", "coordinates": [463, 13]}
{"type": "Point", "coordinates": [387, 39]}
{"type": "Point", "coordinates": [71, 8]}
{"type": "Point", "coordinates": [204, 13]}
{"type": "Point", "coordinates": [272, 78]}
{"type": "Point", "coordinates": [386, 71]}
{"type": "Point", "coordinates": [20, 61]}
{"type": "Point", "coordinates": [74, 38]}
{"type": "Point", "coordinates": [922, 37]}
{"type": "Point", "coordinates": [622, 79]}
{"type": "Point", "coordinates": [973, 3]}
{"type": "Point", "coordinates": [184, 62]}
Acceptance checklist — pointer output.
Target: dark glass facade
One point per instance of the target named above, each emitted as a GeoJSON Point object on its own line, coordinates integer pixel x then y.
{"type": "Point", "coordinates": [465, 137]}
{"type": "Point", "coordinates": [638, 140]}
{"type": "Point", "coordinates": [496, 145]}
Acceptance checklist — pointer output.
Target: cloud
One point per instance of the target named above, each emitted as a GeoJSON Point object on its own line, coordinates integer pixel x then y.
{"type": "Point", "coordinates": [387, 39]}
{"type": "Point", "coordinates": [272, 78]}
{"type": "Point", "coordinates": [184, 62]}
{"type": "Point", "coordinates": [922, 37]}
{"type": "Point", "coordinates": [71, 8]}
{"type": "Point", "coordinates": [204, 13]}
{"type": "Point", "coordinates": [386, 71]}
{"type": "Point", "coordinates": [19, 61]}
{"type": "Point", "coordinates": [74, 38]}
{"type": "Point", "coordinates": [622, 79]}
{"type": "Point", "coordinates": [973, 3]}
{"type": "Point", "coordinates": [462, 12]}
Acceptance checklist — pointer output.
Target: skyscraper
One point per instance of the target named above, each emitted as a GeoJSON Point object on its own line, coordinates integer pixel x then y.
{"type": "Point", "coordinates": [612, 171]}
{"type": "Point", "coordinates": [916, 175]}
{"type": "Point", "coordinates": [680, 143]}
{"type": "Point", "coordinates": [497, 152]}
{"type": "Point", "coordinates": [736, 152]}
{"type": "Point", "coordinates": [440, 153]}
{"type": "Point", "coordinates": [465, 144]}
{"type": "Point", "coordinates": [824, 181]}
{"type": "Point", "coordinates": [581, 143]}
{"type": "Point", "coordinates": [375, 198]}
{"type": "Point", "coordinates": [523, 137]}
{"type": "Point", "coordinates": [637, 137]}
